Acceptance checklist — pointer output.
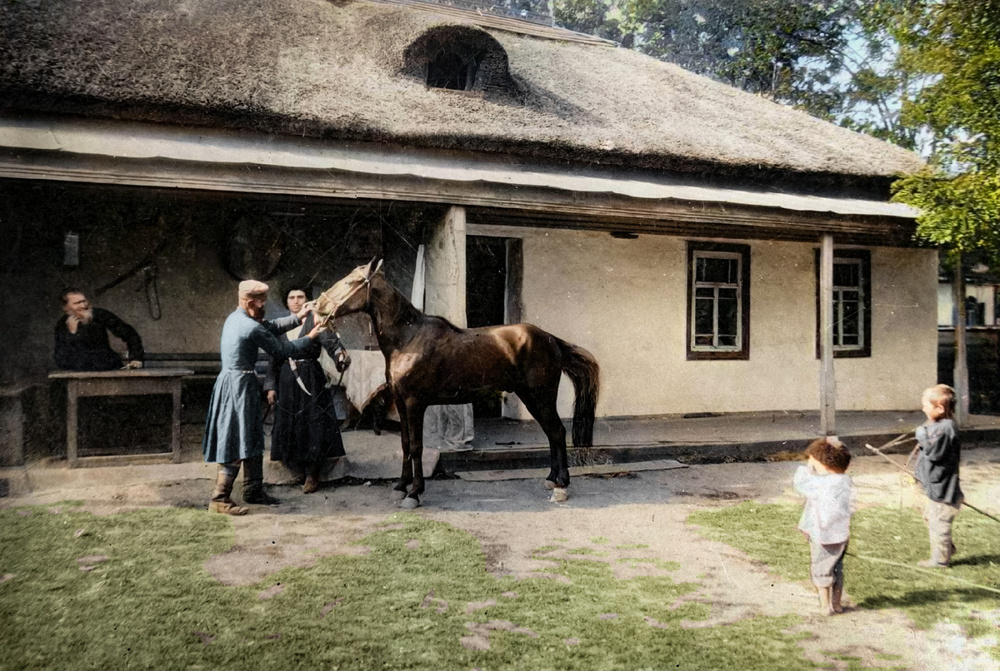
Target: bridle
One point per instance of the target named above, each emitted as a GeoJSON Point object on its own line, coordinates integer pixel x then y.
{"type": "Point", "coordinates": [366, 283]}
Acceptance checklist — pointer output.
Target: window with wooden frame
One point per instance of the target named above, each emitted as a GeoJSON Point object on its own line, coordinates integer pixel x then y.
{"type": "Point", "coordinates": [852, 312]}
{"type": "Point", "coordinates": [718, 301]}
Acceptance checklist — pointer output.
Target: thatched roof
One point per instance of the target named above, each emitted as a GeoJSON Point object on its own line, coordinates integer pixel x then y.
{"type": "Point", "coordinates": [340, 70]}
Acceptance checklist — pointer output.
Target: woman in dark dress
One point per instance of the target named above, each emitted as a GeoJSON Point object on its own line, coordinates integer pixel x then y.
{"type": "Point", "coordinates": [306, 429]}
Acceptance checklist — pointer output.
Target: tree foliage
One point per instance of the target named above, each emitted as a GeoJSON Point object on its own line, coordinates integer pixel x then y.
{"type": "Point", "coordinates": [833, 58]}
{"type": "Point", "coordinates": [955, 45]}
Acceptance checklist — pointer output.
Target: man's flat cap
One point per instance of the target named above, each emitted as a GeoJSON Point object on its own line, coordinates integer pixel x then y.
{"type": "Point", "coordinates": [252, 288]}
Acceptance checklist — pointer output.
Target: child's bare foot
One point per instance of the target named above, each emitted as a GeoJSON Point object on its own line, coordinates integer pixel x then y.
{"type": "Point", "coordinates": [825, 600]}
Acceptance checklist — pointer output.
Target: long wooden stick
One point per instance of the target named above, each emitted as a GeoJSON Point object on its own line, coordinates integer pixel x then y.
{"type": "Point", "coordinates": [981, 512]}
{"type": "Point", "coordinates": [930, 571]}
{"type": "Point", "coordinates": [964, 503]}
{"type": "Point", "coordinates": [886, 457]}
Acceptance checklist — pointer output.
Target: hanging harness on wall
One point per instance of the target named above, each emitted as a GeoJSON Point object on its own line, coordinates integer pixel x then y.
{"type": "Point", "coordinates": [147, 267]}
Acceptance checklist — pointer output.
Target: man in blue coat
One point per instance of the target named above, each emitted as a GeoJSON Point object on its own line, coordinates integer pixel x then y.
{"type": "Point", "coordinates": [234, 428]}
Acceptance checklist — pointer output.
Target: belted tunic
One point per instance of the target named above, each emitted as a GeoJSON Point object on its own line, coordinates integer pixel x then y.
{"type": "Point", "coordinates": [234, 427]}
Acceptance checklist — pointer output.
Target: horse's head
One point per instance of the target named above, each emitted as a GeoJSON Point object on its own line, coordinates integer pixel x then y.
{"type": "Point", "coordinates": [349, 295]}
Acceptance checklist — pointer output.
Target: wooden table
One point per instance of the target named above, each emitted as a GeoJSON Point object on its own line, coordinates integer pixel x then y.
{"type": "Point", "coordinates": [139, 382]}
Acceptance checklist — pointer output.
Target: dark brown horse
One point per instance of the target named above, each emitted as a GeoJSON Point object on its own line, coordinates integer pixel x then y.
{"type": "Point", "coordinates": [430, 361]}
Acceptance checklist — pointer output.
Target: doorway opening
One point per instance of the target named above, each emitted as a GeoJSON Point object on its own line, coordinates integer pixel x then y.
{"type": "Point", "coordinates": [492, 296]}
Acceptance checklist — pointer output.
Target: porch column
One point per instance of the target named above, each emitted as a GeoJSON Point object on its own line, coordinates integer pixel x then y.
{"type": "Point", "coordinates": [961, 371]}
{"type": "Point", "coordinates": [447, 427]}
{"type": "Point", "coordinates": [827, 381]}
{"type": "Point", "coordinates": [445, 268]}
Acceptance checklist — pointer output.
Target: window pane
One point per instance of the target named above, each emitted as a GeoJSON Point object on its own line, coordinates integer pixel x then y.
{"type": "Point", "coordinates": [851, 319]}
{"type": "Point", "coordinates": [727, 341]}
{"type": "Point", "coordinates": [703, 317]}
{"type": "Point", "coordinates": [704, 293]}
{"type": "Point", "coordinates": [703, 341]}
{"type": "Point", "coordinates": [846, 275]}
{"type": "Point", "coordinates": [728, 312]}
{"type": "Point", "coordinates": [717, 271]}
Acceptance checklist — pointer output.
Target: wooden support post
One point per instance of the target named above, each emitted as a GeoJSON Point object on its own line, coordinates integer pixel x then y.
{"type": "Point", "coordinates": [828, 383]}
{"type": "Point", "coordinates": [961, 348]}
{"type": "Point", "coordinates": [445, 268]}
{"type": "Point", "coordinates": [175, 421]}
{"type": "Point", "coordinates": [450, 427]}
{"type": "Point", "coordinates": [72, 411]}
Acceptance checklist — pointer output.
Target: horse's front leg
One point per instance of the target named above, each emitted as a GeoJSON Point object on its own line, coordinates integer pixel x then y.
{"type": "Point", "coordinates": [406, 477]}
{"type": "Point", "coordinates": [415, 427]}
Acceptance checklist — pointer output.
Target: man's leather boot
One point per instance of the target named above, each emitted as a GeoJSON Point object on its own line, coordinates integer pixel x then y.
{"type": "Point", "coordinates": [253, 483]}
{"type": "Point", "coordinates": [221, 503]}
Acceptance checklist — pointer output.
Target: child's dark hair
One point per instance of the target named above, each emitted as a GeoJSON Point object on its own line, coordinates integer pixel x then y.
{"type": "Point", "coordinates": [831, 453]}
{"type": "Point", "coordinates": [944, 396]}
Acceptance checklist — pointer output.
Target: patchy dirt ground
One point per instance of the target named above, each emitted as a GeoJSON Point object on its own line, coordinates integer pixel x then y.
{"type": "Point", "coordinates": [636, 524]}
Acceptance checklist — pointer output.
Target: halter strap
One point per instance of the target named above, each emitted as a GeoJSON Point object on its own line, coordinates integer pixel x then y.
{"type": "Point", "coordinates": [367, 282]}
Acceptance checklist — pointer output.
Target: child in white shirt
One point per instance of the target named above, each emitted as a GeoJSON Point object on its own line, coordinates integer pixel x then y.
{"type": "Point", "coordinates": [826, 519]}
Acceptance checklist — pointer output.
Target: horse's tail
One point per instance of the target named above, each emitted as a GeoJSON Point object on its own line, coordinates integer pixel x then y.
{"type": "Point", "coordinates": [581, 367]}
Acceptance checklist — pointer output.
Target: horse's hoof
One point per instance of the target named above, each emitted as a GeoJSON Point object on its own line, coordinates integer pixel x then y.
{"type": "Point", "coordinates": [559, 495]}
{"type": "Point", "coordinates": [549, 484]}
{"type": "Point", "coordinates": [409, 503]}
{"type": "Point", "coordinates": [397, 495]}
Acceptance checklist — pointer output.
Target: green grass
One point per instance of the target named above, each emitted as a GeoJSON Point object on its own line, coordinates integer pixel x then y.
{"type": "Point", "coordinates": [768, 533]}
{"type": "Point", "coordinates": [152, 604]}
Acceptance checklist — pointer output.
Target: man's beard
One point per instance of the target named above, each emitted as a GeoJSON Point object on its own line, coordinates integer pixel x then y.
{"type": "Point", "coordinates": [87, 317]}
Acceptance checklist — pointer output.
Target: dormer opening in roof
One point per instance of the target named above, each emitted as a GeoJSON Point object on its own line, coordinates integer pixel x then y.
{"type": "Point", "coordinates": [451, 70]}
{"type": "Point", "coordinates": [460, 58]}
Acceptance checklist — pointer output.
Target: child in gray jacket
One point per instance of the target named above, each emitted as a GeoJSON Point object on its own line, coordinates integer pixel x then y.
{"type": "Point", "coordinates": [937, 470]}
{"type": "Point", "coordinates": [826, 519]}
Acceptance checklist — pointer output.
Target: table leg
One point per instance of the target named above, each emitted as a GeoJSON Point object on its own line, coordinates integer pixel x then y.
{"type": "Point", "coordinates": [72, 394]}
{"type": "Point", "coordinates": [175, 430]}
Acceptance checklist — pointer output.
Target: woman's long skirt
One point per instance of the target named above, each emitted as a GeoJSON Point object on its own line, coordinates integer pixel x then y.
{"type": "Point", "coordinates": [306, 428]}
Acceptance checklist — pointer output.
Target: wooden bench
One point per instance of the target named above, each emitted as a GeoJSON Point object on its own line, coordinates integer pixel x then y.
{"type": "Point", "coordinates": [206, 365]}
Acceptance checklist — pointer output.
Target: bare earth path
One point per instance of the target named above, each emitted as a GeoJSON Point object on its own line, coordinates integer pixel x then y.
{"type": "Point", "coordinates": [636, 524]}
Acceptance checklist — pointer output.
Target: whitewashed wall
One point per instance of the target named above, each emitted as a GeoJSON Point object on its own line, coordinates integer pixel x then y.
{"type": "Point", "coordinates": [625, 301]}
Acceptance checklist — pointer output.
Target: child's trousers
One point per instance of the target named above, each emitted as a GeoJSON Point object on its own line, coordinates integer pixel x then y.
{"type": "Point", "coordinates": [826, 566]}
{"type": "Point", "coordinates": [939, 517]}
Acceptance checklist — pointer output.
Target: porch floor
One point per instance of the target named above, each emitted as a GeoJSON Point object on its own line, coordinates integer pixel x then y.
{"type": "Point", "coordinates": [752, 436]}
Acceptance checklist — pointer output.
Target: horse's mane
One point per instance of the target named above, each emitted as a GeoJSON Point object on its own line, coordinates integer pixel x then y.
{"type": "Point", "coordinates": [405, 303]}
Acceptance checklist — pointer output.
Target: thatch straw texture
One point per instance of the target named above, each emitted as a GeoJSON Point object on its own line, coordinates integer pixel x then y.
{"type": "Point", "coordinates": [337, 70]}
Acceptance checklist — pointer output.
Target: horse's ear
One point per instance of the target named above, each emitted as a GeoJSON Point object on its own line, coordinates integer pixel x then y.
{"type": "Point", "coordinates": [377, 268]}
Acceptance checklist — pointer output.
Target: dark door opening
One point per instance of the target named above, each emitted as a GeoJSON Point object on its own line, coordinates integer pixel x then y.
{"type": "Point", "coordinates": [485, 300]}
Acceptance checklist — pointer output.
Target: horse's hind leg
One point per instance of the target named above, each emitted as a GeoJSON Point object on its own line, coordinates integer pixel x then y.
{"type": "Point", "coordinates": [541, 403]}
{"type": "Point", "coordinates": [399, 490]}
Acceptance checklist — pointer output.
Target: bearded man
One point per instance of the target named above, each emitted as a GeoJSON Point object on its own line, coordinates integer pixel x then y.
{"type": "Point", "coordinates": [234, 428]}
{"type": "Point", "coordinates": [82, 337]}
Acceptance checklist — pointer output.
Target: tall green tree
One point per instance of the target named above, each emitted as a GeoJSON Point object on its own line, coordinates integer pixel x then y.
{"type": "Point", "coordinates": [833, 58]}
{"type": "Point", "coordinates": [955, 46]}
